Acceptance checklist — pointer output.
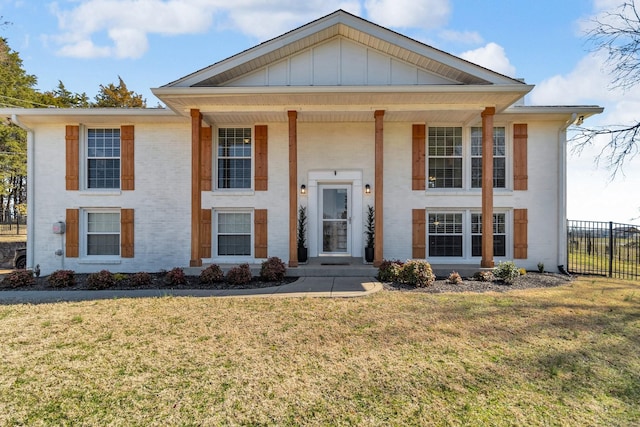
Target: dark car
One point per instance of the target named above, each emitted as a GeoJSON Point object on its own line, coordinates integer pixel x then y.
{"type": "Point", "coordinates": [20, 258]}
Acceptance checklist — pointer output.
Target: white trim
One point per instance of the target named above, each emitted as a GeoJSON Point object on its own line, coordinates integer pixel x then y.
{"type": "Point", "coordinates": [320, 177]}
{"type": "Point", "coordinates": [214, 168]}
{"type": "Point", "coordinates": [234, 259]}
{"type": "Point", "coordinates": [84, 232]}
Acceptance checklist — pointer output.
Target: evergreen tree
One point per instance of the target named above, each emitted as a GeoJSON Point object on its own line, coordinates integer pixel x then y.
{"type": "Point", "coordinates": [119, 96]}
{"type": "Point", "coordinates": [63, 98]}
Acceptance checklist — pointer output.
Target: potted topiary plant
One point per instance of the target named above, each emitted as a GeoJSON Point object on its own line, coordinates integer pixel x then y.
{"type": "Point", "coordinates": [302, 234]}
{"type": "Point", "coordinates": [370, 233]}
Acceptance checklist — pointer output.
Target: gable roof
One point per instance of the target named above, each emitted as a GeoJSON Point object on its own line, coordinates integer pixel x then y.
{"type": "Point", "coordinates": [353, 28]}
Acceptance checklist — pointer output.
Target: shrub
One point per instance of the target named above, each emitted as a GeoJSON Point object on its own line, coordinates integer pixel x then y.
{"type": "Point", "coordinates": [62, 279]}
{"type": "Point", "coordinates": [522, 271]}
{"type": "Point", "coordinates": [18, 278]}
{"type": "Point", "coordinates": [175, 277]}
{"type": "Point", "coordinates": [417, 273]}
{"type": "Point", "coordinates": [484, 276]}
{"type": "Point", "coordinates": [119, 277]}
{"type": "Point", "coordinates": [454, 278]}
{"type": "Point", "coordinates": [103, 279]}
{"type": "Point", "coordinates": [273, 270]}
{"type": "Point", "coordinates": [140, 279]}
{"type": "Point", "coordinates": [389, 270]}
{"type": "Point", "coordinates": [506, 271]}
{"type": "Point", "coordinates": [212, 274]}
{"type": "Point", "coordinates": [240, 275]}
{"type": "Point", "coordinates": [541, 267]}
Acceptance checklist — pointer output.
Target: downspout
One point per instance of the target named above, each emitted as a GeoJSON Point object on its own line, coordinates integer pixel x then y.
{"type": "Point", "coordinates": [30, 191]}
{"type": "Point", "coordinates": [562, 192]}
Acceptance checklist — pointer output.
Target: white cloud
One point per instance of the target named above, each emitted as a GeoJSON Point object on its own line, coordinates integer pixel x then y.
{"type": "Point", "coordinates": [467, 37]}
{"type": "Point", "coordinates": [127, 23]}
{"type": "Point", "coordinates": [491, 56]}
{"type": "Point", "coordinates": [425, 14]}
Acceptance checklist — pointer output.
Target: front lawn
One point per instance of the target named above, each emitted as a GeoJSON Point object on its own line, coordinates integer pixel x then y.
{"type": "Point", "coordinates": [558, 356]}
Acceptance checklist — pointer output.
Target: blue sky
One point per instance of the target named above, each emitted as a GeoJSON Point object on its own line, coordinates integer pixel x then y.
{"type": "Point", "coordinates": [85, 43]}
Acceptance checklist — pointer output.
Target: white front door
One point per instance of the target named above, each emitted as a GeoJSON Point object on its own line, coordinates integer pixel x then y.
{"type": "Point", "coordinates": [335, 219]}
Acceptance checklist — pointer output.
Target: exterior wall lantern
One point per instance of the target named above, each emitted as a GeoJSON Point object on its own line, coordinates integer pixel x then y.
{"type": "Point", "coordinates": [367, 189]}
{"type": "Point", "coordinates": [303, 189]}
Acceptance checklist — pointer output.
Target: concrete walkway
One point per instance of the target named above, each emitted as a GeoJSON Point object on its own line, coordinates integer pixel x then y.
{"type": "Point", "coordinates": [325, 287]}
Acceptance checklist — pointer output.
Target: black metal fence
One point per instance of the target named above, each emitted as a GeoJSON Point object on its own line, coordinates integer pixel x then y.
{"type": "Point", "coordinates": [603, 248]}
{"type": "Point", "coordinates": [13, 224]}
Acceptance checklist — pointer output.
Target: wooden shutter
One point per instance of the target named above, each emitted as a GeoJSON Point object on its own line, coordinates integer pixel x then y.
{"type": "Point", "coordinates": [419, 234]}
{"type": "Point", "coordinates": [126, 233]}
{"type": "Point", "coordinates": [520, 176]}
{"type": "Point", "coordinates": [260, 228]}
{"type": "Point", "coordinates": [520, 224]}
{"type": "Point", "coordinates": [127, 157]}
{"type": "Point", "coordinates": [206, 155]}
{"type": "Point", "coordinates": [418, 181]}
{"type": "Point", "coordinates": [73, 160]}
{"type": "Point", "coordinates": [72, 238]}
{"type": "Point", "coordinates": [205, 233]}
{"type": "Point", "coordinates": [262, 161]}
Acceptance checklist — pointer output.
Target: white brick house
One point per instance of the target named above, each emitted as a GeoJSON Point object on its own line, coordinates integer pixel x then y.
{"type": "Point", "coordinates": [335, 116]}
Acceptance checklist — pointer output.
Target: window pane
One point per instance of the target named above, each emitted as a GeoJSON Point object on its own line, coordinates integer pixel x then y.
{"type": "Point", "coordinates": [236, 223]}
{"type": "Point", "coordinates": [234, 245]}
{"type": "Point", "coordinates": [103, 158]}
{"type": "Point", "coordinates": [234, 158]}
{"type": "Point", "coordinates": [499, 235]}
{"type": "Point", "coordinates": [103, 244]}
{"type": "Point", "coordinates": [499, 161]}
{"type": "Point", "coordinates": [103, 222]}
{"type": "Point", "coordinates": [445, 246]}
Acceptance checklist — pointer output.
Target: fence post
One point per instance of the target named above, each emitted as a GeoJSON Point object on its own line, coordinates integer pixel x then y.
{"type": "Point", "coordinates": [610, 248]}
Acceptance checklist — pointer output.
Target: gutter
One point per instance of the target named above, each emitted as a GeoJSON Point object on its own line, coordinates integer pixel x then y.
{"type": "Point", "coordinates": [30, 190]}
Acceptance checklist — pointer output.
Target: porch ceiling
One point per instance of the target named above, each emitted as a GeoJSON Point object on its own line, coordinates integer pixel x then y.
{"type": "Point", "coordinates": [341, 104]}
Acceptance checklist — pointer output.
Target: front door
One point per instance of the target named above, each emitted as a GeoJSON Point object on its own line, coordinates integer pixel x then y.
{"type": "Point", "coordinates": [335, 224]}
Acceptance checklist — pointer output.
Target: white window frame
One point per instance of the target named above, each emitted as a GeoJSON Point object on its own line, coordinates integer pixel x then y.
{"type": "Point", "coordinates": [84, 233]}
{"type": "Point", "coordinates": [467, 235]}
{"type": "Point", "coordinates": [432, 180]}
{"type": "Point", "coordinates": [494, 156]}
{"type": "Point", "coordinates": [215, 232]}
{"type": "Point", "coordinates": [216, 146]}
{"type": "Point", "coordinates": [506, 236]}
{"type": "Point", "coordinates": [467, 162]}
{"type": "Point", "coordinates": [84, 158]}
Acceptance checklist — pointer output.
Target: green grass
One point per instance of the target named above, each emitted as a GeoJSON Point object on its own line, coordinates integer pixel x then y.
{"type": "Point", "coordinates": [558, 356]}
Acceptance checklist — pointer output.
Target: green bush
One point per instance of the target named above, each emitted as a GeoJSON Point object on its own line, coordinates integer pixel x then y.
{"type": "Point", "coordinates": [417, 273]}
{"type": "Point", "coordinates": [506, 271]}
{"type": "Point", "coordinates": [212, 274]}
{"type": "Point", "coordinates": [389, 270]}
{"type": "Point", "coordinates": [273, 270]}
{"type": "Point", "coordinates": [103, 279]}
{"type": "Point", "coordinates": [175, 277]}
{"type": "Point", "coordinates": [240, 275]}
{"type": "Point", "coordinates": [140, 279]}
{"type": "Point", "coordinates": [62, 279]}
{"type": "Point", "coordinates": [17, 279]}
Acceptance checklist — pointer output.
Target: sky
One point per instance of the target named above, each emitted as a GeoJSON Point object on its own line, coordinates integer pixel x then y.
{"type": "Point", "coordinates": [149, 43]}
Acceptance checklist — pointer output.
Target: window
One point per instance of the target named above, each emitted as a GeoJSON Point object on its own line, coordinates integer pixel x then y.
{"type": "Point", "coordinates": [499, 161]}
{"type": "Point", "coordinates": [445, 235]}
{"type": "Point", "coordinates": [499, 235]}
{"type": "Point", "coordinates": [234, 158]}
{"type": "Point", "coordinates": [233, 233]}
{"type": "Point", "coordinates": [103, 233]}
{"type": "Point", "coordinates": [103, 158]}
{"type": "Point", "coordinates": [445, 157]}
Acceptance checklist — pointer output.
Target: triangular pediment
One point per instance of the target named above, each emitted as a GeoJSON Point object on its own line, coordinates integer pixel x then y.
{"type": "Point", "coordinates": [341, 49]}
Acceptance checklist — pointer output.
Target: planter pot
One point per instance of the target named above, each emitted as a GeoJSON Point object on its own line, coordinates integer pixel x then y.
{"type": "Point", "coordinates": [302, 254]}
{"type": "Point", "coordinates": [368, 254]}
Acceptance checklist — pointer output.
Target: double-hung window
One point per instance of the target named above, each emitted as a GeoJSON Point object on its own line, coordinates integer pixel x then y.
{"type": "Point", "coordinates": [445, 235]}
{"type": "Point", "coordinates": [102, 233]}
{"type": "Point", "coordinates": [234, 158]}
{"type": "Point", "coordinates": [499, 157]}
{"type": "Point", "coordinates": [233, 231]}
{"type": "Point", "coordinates": [103, 158]}
{"type": "Point", "coordinates": [499, 235]}
{"type": "Point", "coordinates": [444, 148]}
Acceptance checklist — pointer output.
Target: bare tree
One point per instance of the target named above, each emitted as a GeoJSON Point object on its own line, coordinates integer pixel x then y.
{"type": "Point", "coordinates": [617, 34]}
